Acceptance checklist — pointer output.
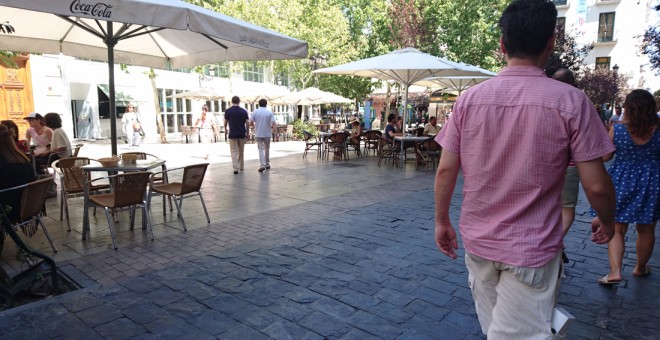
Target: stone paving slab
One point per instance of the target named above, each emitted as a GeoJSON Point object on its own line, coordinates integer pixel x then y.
{"type": "Point", "coordinates": [358, 264]}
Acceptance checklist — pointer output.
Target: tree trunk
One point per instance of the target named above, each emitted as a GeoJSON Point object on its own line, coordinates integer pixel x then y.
{"type": "Point", "coordinates": [159, 114]}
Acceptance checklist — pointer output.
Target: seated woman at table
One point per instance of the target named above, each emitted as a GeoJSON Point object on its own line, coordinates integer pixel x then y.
{"type": "Point", "coordinates": [15, 169]}
{"type": "Point", "coordinates": [391, 128]}
{"type": "Point", "coordinates": [13, 128]}
{"type": "Point", "coordinates": [60, 146]}
{"type": "Point", "coordinates": [356, 132]}
{"type": "Point", "coordinates": [39, 135]}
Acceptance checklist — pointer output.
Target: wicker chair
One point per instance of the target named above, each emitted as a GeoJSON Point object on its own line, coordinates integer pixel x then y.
{"type": "Point", "coordinates": [72, 182]}
{"type": "Point", "coordinates": [388, 151]}
{"type": "Point", "coordinates": [190, 185]}
{"type": "Point", "coordinates": [428, 153]}
{"type": "Point", "coordinates": [337, 144]}
{"type": "Point", "coordinates": [311, 142]}
{"type": "Point", "coordinates": [30, 215]}
{"type": "Point", "coordinates": [160, 179]}
{"type": "Point", "coordinates": [128, 191]}
{"type": "Point", "coordinates": [371, 140]}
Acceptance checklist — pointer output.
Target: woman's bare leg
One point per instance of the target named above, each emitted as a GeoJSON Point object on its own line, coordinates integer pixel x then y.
{"type": "Point", "coordinates": [645, 244]}
{"type": "Point", "coordinates": [615, 249]}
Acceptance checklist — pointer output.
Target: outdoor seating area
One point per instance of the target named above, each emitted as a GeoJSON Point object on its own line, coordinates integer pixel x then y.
{"type": "Point", "coordinates": [374, 143]}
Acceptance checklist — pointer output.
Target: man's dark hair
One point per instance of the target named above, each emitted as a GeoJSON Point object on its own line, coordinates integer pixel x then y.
{"type": "Point", "coordinates": [235, 100]}
{"type": "Point", "coordinates": [262, 102]}
{"type": "Point", "coordinates": [391, 117]}
{"type": "Point", "coordinates": [526, 27]}
{"type": "Point", "coordinates": [564, 75]}
{"type": "Point", "coordinates": [53, 120]}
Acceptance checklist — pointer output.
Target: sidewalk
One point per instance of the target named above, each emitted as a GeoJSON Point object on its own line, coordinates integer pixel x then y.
{"type": "Point", "coordinates": [308, 250]}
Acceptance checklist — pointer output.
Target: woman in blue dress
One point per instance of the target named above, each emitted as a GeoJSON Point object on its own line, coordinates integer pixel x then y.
{"type": "Point", "coordinates": [636, 176]}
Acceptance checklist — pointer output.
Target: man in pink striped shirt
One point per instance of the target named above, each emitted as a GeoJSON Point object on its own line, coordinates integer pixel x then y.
{"type": "Point", "coordinates": [512, 137]}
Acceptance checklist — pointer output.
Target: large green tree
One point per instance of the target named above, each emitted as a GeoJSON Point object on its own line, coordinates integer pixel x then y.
{"type": "Point", "coordinates": [466, 31]}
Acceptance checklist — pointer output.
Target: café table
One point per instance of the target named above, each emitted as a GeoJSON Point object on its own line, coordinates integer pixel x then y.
{"type": "Point", "coordinates": [138, 165]}
{"type": "Point", "coordinates": [409, 142]}
{"type": "Point", "coordinates": [323, 136]}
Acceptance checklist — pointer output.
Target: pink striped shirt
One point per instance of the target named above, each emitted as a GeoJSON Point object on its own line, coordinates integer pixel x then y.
{"type": "Point", "coordinates": [515, 135]}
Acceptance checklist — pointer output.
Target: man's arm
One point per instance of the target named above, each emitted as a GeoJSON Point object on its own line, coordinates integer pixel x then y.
{"type": "Point", "coordinates": [599, 189]}
{"type": "Point", "coordinates": [445, 181]}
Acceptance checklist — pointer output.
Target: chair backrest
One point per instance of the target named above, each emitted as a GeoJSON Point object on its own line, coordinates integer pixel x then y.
{"type": "Point", "coordinates": [338, 137]}
{"type": "Point", "coordinates": [307, 135]}
{"type": "Point", "coordinates": [431, 145]}
{"type": "Point", "coordinates": [129, 188]}
{"type": "Point", "coordinates": [193, 176]}
{"type": "Point", "coordinates": [372, 135]}
{"type": "Point", "coordinates": [33, 198]}
{"type": "Point", "coordinates": [140, 155]}
{"type": "Point", "coordinates": [73, 175]}
{"type": "Point", "coordinates": [289, 129]}
{"type": "Point", "coordinates": [76, 149]}
{"type": "Point", "coordinates": [419, 131]}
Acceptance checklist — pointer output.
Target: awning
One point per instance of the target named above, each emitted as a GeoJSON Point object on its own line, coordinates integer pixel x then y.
{"type": "Point", "coordinates": [123, 95]}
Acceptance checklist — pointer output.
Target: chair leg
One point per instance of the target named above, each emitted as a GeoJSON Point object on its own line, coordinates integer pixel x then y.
{"type": "Point", "coordinates": [201, 198]}
{"type": "Point", "coordinates": [111, 224]}
{"type": "Point", "coordinates": [179, 215]}
{"type": "Point", "coordinates": [66, 213]}
{"type": "Point", "coordinates": [50, 240]}
{"type": "Point", "coordinates": [132, 215]}
{"type": "Point", "coordinates": [145, 215]}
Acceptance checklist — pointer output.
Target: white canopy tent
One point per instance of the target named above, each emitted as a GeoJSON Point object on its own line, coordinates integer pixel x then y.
{"type": "Point", "coordinates": [155, 33]}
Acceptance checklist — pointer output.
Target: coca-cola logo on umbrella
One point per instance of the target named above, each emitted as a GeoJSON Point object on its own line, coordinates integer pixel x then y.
{"type": "Point", "coordinates": [98, 9]}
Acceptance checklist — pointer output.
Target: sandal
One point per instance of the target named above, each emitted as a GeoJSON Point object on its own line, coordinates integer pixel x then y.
{"type": "Point", "coordinates": [647, 271]}
{"type": "Point", "coordinates": [605, 280]}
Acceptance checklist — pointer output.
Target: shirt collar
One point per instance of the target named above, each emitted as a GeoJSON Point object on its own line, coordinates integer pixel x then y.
{"type": "Point", "coordinates": [522, 71]}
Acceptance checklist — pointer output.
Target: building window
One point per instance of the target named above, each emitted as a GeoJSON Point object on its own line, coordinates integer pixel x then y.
{"type": "Point", "coordinates": [602, 63]}
{"type": "Point", "coordinates": [561, 27]}
{"type": "Point", "coordinates": [560, 2]}
{"type": "Point", "coordinates": [253, 72]}
{"type": "Point", "coordinates": [606, 27]}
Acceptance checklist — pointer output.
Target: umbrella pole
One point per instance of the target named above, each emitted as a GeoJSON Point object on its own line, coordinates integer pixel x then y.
{"type": "Point", "coordinates": [110, 41]}
{"type": "Point", "coordinates": [403, 127]}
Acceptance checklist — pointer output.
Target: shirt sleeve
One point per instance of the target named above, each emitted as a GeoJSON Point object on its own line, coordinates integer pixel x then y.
{"type": "Point", "coordinates": [58, 141]}
{"type": "Point", "coordinates": [589, 138]}
{"type": "Point", "coordinates": [449, 136]}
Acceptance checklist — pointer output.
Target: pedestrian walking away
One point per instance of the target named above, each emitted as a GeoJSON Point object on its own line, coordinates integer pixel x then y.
{"type": "Point", "coordinates": [511, 137]}
{"type": "Point", "coordinates": [264, 123]}
{"type": "Point", "coordinates": [636, 176]}
{"type": "Point", "coordinates": [569, 193]}
{"type": "Point", "coordinates": [237, 123]}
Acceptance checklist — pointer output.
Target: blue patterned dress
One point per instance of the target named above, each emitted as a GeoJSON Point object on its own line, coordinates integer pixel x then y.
{"type": "Point", "coordinates": [636, 176]}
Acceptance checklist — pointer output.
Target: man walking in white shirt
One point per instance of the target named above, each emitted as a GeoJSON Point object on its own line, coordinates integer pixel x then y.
{"type": "Point", "coordinates": [264, 122]}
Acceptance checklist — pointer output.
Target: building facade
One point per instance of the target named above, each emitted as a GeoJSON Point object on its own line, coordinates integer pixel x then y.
{"type": "Point", "coordinates": [78, 91]}
{"type": "Point", "coordinates": [615, 27]}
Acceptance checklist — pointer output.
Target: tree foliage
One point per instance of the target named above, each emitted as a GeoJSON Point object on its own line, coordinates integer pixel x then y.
{"type": "Point", "coordinates": [602, 86]}
{"type": "Point", "coordinates": [651, 44]}
{"type": "Point", "coordinates": [466, 31]}
{"type": "Point", "coordinates": [567, 54]}
{"type": "Point", "coordinates": [7, 57]}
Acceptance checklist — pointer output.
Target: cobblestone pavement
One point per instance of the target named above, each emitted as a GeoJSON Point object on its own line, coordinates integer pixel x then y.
{"type": "Point", "coordinates": [308, 250]}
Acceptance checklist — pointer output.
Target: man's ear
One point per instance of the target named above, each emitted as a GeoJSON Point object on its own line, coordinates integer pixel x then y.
{"type": "Point", "coordinates": [502, 48]}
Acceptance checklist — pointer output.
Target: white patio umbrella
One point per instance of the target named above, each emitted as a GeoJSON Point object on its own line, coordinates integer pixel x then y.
{"type": "Point", "coordinates": [156, 33]}
{"type": "Point", "coordinates": [203, 93]}
{"type": "Point", "coordinates": [405, 66]}
{"type": "Point", "coordinates": [453, 84]}
{"type": "Point", "coordinates": [314, 96]}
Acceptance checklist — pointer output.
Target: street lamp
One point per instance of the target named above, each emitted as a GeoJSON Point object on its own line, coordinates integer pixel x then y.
{"type": "Point", "coordinates": [316, 61]}
{"type": "Point", "coordinates": [615, 71]}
